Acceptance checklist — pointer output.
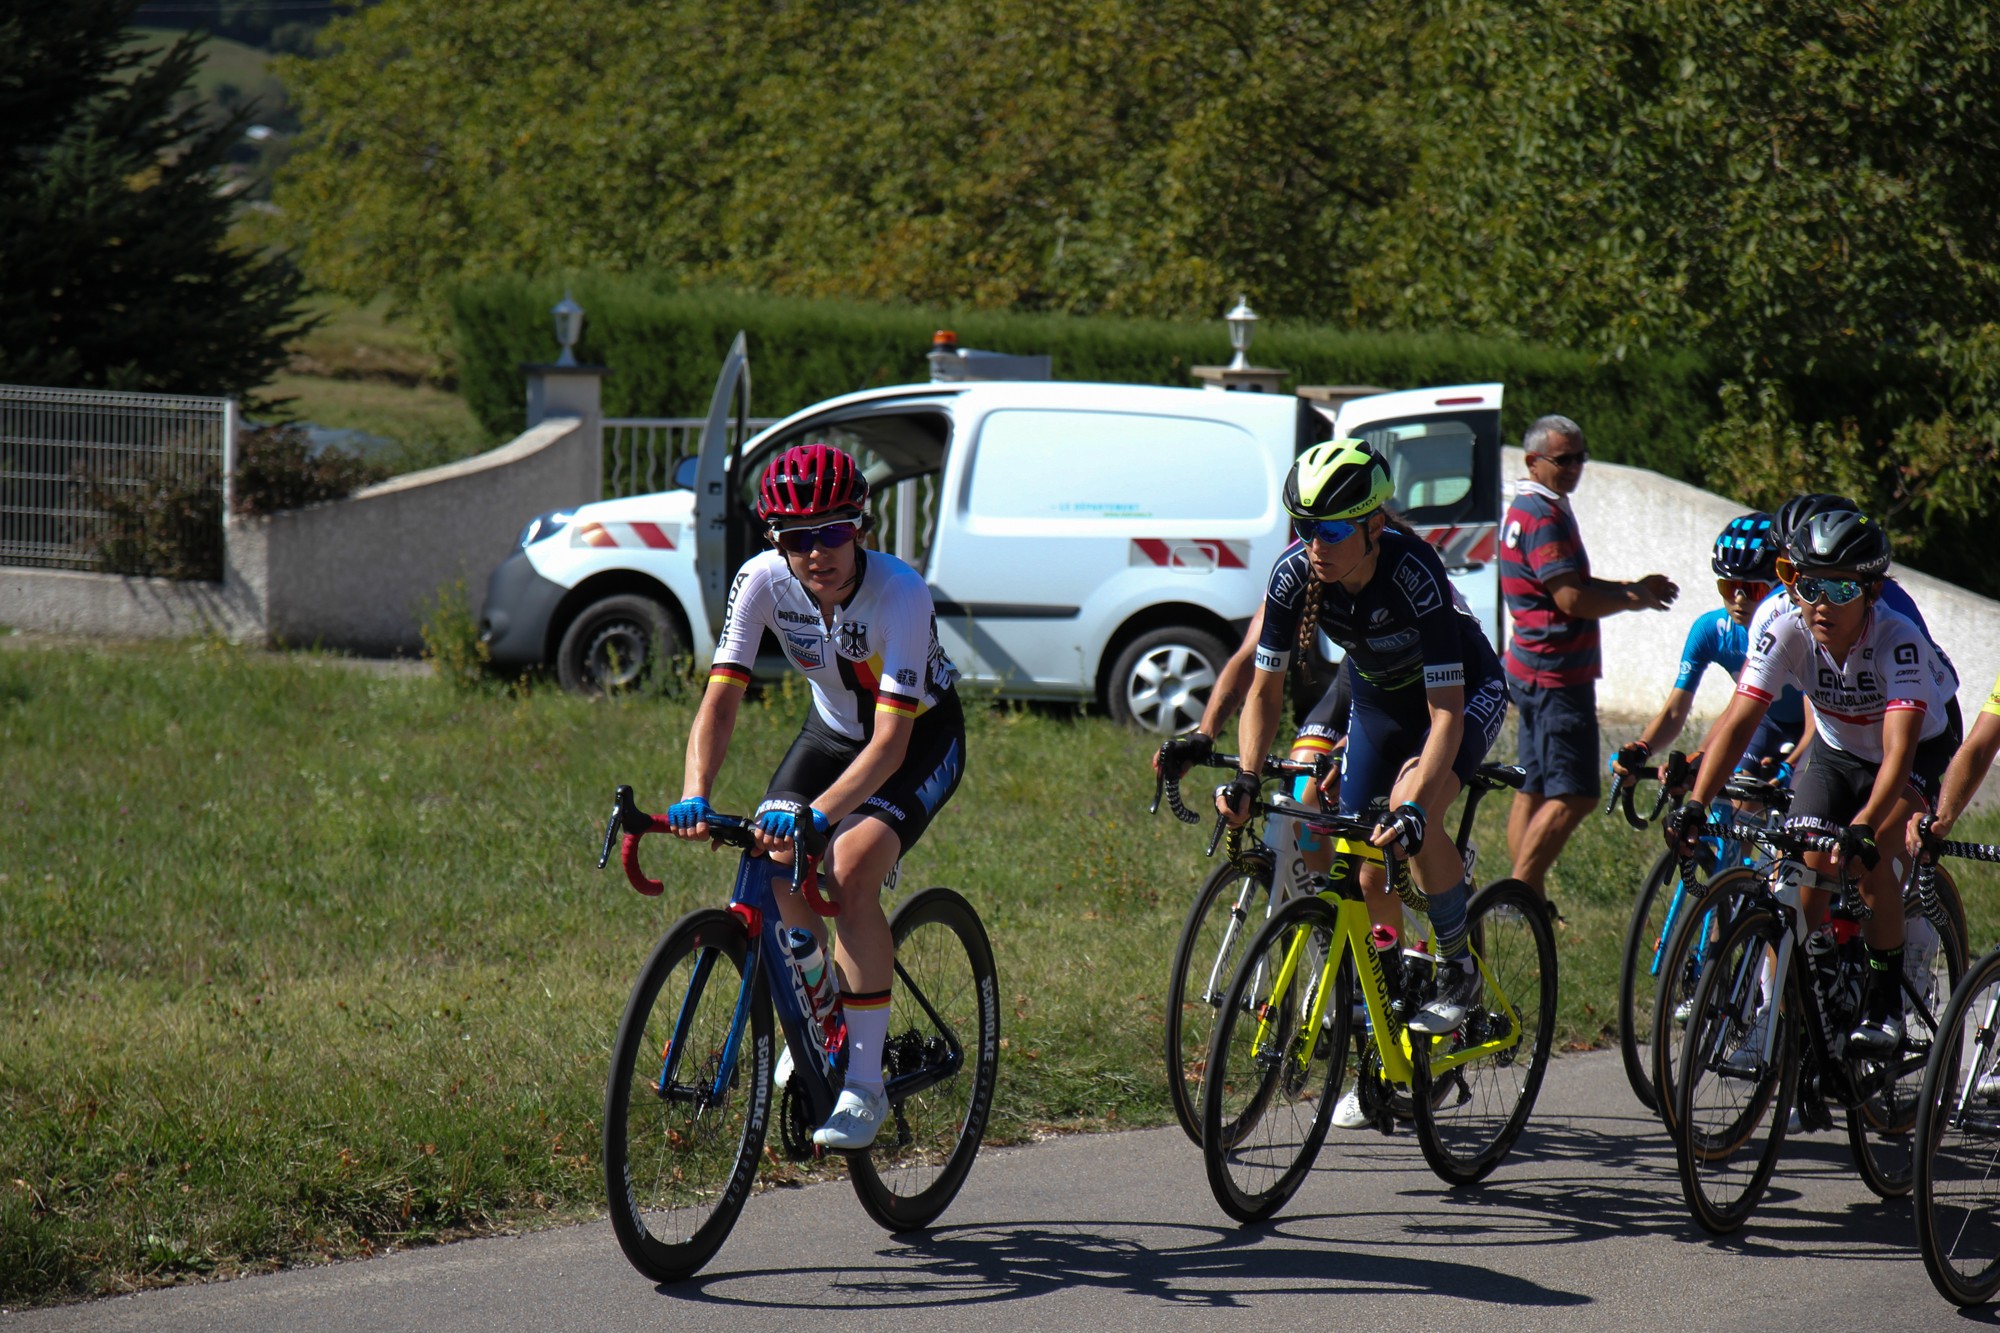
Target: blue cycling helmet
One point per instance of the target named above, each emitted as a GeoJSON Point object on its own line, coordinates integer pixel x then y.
{"type": "Point", "coordinates": [1746, 549]}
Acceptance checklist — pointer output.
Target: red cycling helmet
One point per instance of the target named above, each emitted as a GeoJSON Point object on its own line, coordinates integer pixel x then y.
{"type": "Point", "coordinates": [811, 481]}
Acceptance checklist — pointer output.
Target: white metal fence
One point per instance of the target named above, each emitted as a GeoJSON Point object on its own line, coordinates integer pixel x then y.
{"type": "Point", "coordinates": [640, 453]}
{"type": "Point", "coordinates": [121, 482]}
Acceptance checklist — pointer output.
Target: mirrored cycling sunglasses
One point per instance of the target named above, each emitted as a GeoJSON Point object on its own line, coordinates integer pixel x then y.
{"type": "Point", "coordinates": [828, 536]}
{"type": "Point", "coordinates": [1834, 592]}
{"type": "Point", "coordinates": [1755, 589]}
{"type": "Point", "coordinates": [1328, 530]}
{"type": "Point", "coordinates": [1809, 589]}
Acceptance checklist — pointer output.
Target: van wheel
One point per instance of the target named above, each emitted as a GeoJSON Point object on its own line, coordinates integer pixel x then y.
{"type": "Point", "coordinates": [1161, 681]}
{"type": "Point", "coordinates": [617, 644]}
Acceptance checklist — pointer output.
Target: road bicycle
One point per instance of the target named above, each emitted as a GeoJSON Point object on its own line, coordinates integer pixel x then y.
{"type": "Point", "coordinates": [1286, 1035]}
{"type": "Point", "coordinates": [1262, 868]}
{"type": "Point", "coordinates": [1765, 1034]}
{"type": "Point", "coordinates": [1690, 918]}
{"type": "Point", "coordinates": [689, 1100]}
{"type": "Point", "coordinates": [1259, 871]}
{"type": "Point", "coordinates": [1958, 1118]}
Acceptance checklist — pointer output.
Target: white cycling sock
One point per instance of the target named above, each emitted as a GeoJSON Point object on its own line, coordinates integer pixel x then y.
{"type": "Point", "coordinates": [867, 1030]}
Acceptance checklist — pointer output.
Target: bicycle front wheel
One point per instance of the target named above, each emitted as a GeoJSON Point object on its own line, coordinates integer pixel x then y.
{"type": "Point", "coordinates": [1226, 912]}
{"type": "Point", "coordinates": [688, 1100]}
{"type": "Point", "coordinates": [1733, 1097]}
{"type": "Point", "coordinates": [938, 1064]}
{"type": "Point", "coordinates": [1274, 1069]}
{"type": "Point", "coordinates": [1958, 1138]}
{"type": "Point", "coordinates": [1881, 1130]}
{"type": "Point", "coordinates": [1645, 944]}
{"type": "Point", "coordinates": [1700, 923]}
{"type": "Point", "coordinates": [1473, 1089]}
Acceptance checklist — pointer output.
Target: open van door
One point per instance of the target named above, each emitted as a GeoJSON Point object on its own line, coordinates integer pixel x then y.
{"type": "Point", "coordinates": [716, 537]}
{"type": "Point", "coordinates": [1443, 448]}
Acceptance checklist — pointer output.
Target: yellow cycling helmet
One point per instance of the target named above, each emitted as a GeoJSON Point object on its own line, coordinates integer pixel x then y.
{"type": "Point", "coordinates": [1338, 479]}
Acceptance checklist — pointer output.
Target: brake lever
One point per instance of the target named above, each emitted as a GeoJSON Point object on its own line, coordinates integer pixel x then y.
{"type": "Point", "coordinates": [622, 806]}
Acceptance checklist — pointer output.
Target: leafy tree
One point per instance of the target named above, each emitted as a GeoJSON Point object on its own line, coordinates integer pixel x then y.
{"type": "Point", "coordinates": [115, 267]}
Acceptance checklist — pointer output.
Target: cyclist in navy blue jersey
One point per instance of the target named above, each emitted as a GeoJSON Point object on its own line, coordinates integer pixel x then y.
{"type": "Point", "coordinates": [1428, 695]}
{"type": "Point", "coordinates": [1745, 564]}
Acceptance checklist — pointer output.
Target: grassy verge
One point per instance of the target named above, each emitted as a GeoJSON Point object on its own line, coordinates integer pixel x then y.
{"type": "Point", "coordinates": [298, 962]}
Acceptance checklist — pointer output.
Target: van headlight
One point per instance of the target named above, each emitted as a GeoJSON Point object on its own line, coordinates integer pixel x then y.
{"type": "Point", "coordinates": [542, 526]}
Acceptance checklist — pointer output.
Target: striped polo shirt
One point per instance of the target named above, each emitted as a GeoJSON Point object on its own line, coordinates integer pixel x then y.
{"type": "Point", "coordinates": [1539, 541]}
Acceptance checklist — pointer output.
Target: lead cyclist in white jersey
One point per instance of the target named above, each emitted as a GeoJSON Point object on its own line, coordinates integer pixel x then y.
{"type": "Point", "coordinates": [1879, 694]}
{"type": "Point", "coordinates": [882, 749]}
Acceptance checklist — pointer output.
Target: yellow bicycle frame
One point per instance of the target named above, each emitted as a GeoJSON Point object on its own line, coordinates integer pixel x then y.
{"type": "Point", "coordinates": [1353, 931]}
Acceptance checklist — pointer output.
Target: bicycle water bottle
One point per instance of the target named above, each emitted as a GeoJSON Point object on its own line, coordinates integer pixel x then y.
{"type": "Point", "coordinates": [819, 986]}
{"type": "Point", "coordinates": [1823, 964]}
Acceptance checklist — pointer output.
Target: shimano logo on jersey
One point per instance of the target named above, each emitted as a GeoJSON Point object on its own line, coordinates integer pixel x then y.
{"type": "Point", "coordinates": [1418, 585]}
{"type": "Point", "coordinates": [804, 647]}
{"type": "Point", "coordinates": [881, 804]}
{"type": "Point", "coordinates": [1394, 643]}
{"type": "Point", "coordinates": [1269, 659]}
{"type": "Point", "coordinates": [1449, 673]}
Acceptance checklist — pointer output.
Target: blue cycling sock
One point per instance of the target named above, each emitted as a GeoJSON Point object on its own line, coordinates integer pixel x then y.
{"type": "Point", "coordinates": [1448, 921]}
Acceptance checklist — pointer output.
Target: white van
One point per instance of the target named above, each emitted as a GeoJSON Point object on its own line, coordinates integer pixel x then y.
{"type": "Point", "coordinates": [1090, 542]}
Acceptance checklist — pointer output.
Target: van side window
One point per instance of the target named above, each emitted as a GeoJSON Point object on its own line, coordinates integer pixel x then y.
{"type": "Point", "coordinates": [901, 454]}
{"type": "Point", "coordinates": [1435, 464]}
{"type": "Point", "coordinates": [1069, 465]}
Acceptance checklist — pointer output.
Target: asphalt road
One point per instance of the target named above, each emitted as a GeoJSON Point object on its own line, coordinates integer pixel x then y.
{"type": "Point", "coordinates": [1582, 1228]}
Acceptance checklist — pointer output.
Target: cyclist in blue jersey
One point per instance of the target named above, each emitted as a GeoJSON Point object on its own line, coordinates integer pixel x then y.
{"type": "Point", "coordinates": [1428, 695]}
{"type": "Point", "coordinates": [1745, 564]}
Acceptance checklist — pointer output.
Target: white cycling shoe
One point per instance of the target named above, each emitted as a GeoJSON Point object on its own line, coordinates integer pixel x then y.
{"type": "Point", "coordinates": [1347, 1112]}
{"type": "Point", "coordinates": [856, 1119]}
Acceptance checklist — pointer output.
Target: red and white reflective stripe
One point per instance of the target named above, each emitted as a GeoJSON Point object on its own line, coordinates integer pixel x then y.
{"type": "Point", "coordinates": [1464, 544]}
{"type": "Point", "coordinates": [1190, 553]}
{"type": "Point", "coordinates": [1759, 695]}
{"type": "Point", "coordinates": [1906, 706]}
{"type": "Point", "coordinates": [633, 535]}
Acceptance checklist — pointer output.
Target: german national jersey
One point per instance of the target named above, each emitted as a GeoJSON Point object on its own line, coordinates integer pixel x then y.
{"type": "Point", "coordinates": [1406, 628]}
{"type": "Point", "coordinates": [881, 651]}
{"type": "Point", "coordinates": [1890, 668]}
{"type": "Point", "coordinates": [1539, 541]}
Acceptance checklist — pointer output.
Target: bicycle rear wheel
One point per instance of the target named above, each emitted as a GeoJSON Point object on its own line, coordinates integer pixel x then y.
{"type": "Point", "coordinates": [1881, 1130]}
{"type": "Point", "coordinates": [1732, 1100]}
{"type": "Point", "coordinates": [688, 1099]}
{"type": "Point", "coordinates": [1702, 921]}
{"type": "Point", "coordinates": [1636, 982]}
{"type": "Point", "coordinates": [1468, 1116]}
{"type": "Point", "coordinates": [1273, 1076]}
{"type": "Point", "coordinates": [1958, 1133]}
{"type": "Point", "coordinates": [938, 1064]}
{"type": "Point", "coordinates": [1227, 910]}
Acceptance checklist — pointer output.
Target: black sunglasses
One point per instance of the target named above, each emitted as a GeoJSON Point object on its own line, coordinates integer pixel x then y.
{"type": "Point", "coordinates": [1577, 459]}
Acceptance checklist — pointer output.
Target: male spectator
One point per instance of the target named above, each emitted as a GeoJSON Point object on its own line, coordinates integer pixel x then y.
{"type": "Point", "coordinates": [1552, 655]}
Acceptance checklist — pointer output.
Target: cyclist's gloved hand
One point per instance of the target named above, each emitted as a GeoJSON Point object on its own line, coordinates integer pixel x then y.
{"type": "Point", "coordinates": [1238, 793]}
{"type": "Point", "coordinates": [1178, 754]}
{"type": "Point", "coordinates": [1684, 826]}
{"type": "Point", "coordinates": [1857, 842]}
{"type": "Point", "coordinates": [1407, 822]}
{"type": "Point", "coordinates": [781, 818]}
{"type": "Point", "coordinates": [684, 814]}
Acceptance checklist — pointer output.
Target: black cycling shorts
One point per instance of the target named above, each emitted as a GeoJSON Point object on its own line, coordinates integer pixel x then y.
{"type": "Point", "coordinates": [1835, 784]}
{"type": "Point", "coordinates": [914, 793]}
{"type": "Point", "coordinates": [1388, 728]}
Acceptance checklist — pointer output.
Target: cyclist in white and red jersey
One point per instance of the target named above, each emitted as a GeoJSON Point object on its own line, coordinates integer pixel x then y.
{"type": "Point", "coordinates": [1878, 694]}
{"type": "Point", "coordinates": [882, 749]}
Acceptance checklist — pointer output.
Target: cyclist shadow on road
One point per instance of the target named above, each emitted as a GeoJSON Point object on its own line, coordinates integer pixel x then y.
{"type": "Point", "coordinates": [1189, 1266]}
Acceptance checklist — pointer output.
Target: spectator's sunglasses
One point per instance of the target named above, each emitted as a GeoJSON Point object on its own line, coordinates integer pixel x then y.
{"type": "Point", "coordinates": [827, 536]}
{"type": "Point", "coordinates": [1809, 588]}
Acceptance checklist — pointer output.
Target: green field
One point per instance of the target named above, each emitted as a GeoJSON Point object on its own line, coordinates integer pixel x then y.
{"type": "Point", "coordinates": [299, 960]}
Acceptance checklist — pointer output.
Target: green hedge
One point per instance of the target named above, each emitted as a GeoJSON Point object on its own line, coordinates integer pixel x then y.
{"type": "Point", "coordinates": [665, 344]}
